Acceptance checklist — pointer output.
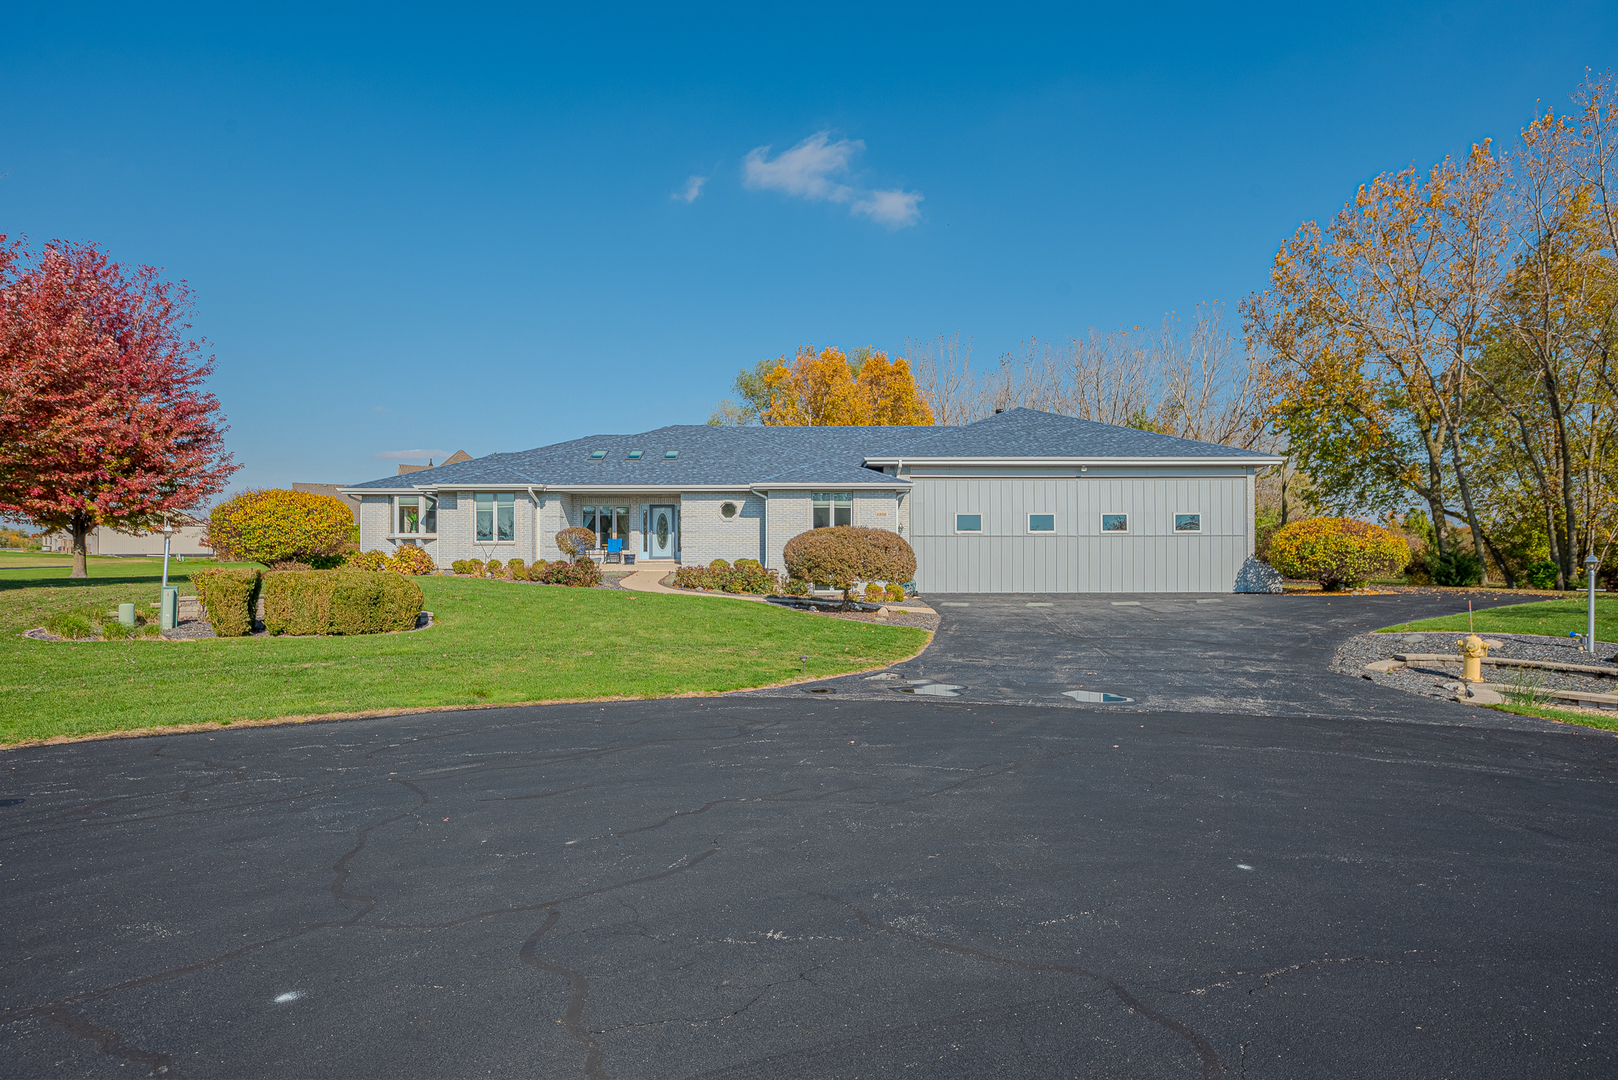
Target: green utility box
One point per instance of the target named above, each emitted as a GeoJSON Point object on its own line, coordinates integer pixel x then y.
{"type": "Point", "coordinates": [170, 606]}
{"type": "Point", "coordinates": [126, 614]}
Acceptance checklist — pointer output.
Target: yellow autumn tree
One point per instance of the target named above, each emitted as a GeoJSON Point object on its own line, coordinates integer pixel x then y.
{"type": "Point", "coordinates": [826, 388]}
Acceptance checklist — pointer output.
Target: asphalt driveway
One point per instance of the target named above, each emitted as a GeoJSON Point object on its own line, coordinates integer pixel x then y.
{"type": "Point", "coordinates": [858, 884]}
{"type": "Point", "coordinates": [1260, 655]}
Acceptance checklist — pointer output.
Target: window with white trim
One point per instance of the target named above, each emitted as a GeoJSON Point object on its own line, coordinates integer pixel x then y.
{"type": "Point", "coordinates": [496, 517]}
{"type": "Point", "coordinates": [1187, 522]}
{"type": "Point", "coordinates": [832, 508]}
{"type": "Point", "coordinates": [968, 523]}
{"type": "Point", "coordinates": [1115, 523]}
{"type": "Point", "coordinates": [1041, 523]}
{"type": "Point", "coordinates": [415, 515]}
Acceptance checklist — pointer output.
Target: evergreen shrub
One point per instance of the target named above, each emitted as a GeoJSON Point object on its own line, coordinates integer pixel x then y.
{"type": "Point", "coordinates": [1457, 568]}
{"type": "Point", "coordinates": [875, 594]}
{"type": "Point", "coordinates": [230, 597]}
{"type": "Point", "coordinates": [719, 564]}
{"type": "Point", "coordinates": [895, 592]}
{"type": "Point", "coordinates": [1541, 575]}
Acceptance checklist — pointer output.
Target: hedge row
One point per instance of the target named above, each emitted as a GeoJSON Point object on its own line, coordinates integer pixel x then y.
{"type": "Point", "coordinates": [229, 596]}
{"type": "Point", "coordinates": [747, 576]}
{"type": "Point", "coordinates": [340, 602]}
{"type": "Point", "coordinates": [406, 559]}
{"type": "Point", "coordinates": [583, 574]}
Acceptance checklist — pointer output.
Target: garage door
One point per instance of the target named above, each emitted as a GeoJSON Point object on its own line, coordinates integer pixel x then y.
{"type": "Point", "coordinates": [1078, 534]}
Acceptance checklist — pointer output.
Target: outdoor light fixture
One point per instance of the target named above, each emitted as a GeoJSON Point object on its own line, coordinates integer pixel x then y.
{"type": "Point", "coordinates": [1590, 564]}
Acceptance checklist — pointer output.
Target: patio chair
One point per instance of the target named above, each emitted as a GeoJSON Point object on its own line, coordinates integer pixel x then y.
{"type": "Point", "coordinates": [615, 551]}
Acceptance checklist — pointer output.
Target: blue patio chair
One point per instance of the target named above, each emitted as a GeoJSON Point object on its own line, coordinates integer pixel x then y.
{"type": "Point", "coordinates": [615, 551]}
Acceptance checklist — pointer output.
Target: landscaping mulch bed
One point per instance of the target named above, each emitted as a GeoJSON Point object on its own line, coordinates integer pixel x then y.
{"type": "Point", "coordinates": [1429, 678]}
{"type": "Point", "coordinates": [198, 629]}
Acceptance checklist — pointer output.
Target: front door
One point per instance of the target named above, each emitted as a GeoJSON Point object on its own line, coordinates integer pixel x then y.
{"type": "Point", "coordinates": [661, 538]}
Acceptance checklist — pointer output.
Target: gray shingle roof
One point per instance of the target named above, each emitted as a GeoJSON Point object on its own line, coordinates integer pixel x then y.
{"type": "Point", "coordinates": [798, 455]}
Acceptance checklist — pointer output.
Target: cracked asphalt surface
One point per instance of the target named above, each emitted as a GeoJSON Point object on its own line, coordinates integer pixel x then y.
{"type": "Point", "coordinates": [1256, 869]}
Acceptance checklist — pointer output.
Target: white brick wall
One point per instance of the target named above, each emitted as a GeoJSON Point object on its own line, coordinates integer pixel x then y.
{"type": "Point", "coordinates": [706, 534]}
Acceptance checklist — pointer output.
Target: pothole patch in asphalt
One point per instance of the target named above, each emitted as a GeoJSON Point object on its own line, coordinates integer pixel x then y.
{"type": "Point", "coordinates": [936, 689]}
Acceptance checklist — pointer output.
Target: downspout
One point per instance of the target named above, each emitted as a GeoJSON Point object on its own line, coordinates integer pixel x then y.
{"type": "Point", "coordinates": [764, 519]}
{"type": "Point", "coordinates": [534, 554]}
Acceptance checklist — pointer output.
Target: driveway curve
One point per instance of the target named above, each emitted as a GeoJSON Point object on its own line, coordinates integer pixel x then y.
{"type": "Point", "coordinates": [860, 885]}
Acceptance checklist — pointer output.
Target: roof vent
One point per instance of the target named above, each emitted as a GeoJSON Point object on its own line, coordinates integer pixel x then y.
{"type": "Point", "coordinates": [998, 409]}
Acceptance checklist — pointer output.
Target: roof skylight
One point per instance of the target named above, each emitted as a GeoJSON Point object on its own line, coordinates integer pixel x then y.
{"type": "Point", "coordinates": [670, 455]}
{"type": "Point", "coordinates": [636, 455]}
{"type": "Point", "coordinates": [597, 455]}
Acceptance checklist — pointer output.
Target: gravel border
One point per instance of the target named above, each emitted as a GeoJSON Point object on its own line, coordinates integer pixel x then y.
{"type": "Point", "coordinates": [1437, 679]}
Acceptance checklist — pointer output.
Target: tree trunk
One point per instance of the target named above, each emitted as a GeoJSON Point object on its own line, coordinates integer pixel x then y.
{"type": "Point", "coordinates": [1435, 490]}
{"type": "Point", "coordinates": [1466, 503]}
{"type": "Point", "coordinates": [80, 527]}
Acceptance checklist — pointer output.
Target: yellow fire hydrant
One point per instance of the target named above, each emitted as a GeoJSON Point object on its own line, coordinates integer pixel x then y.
{"type": "Point", "coordinates": [1473, 651]}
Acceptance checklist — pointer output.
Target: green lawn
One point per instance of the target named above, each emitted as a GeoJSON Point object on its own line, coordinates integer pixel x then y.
{"type": "Point", "coordinates": [1552, 617]}
{"type": "Point", "coordinates": [493, 642]}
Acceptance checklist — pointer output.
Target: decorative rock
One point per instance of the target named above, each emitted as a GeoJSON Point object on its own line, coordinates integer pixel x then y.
{"type": "Point", "coordinates": [1257, 576]}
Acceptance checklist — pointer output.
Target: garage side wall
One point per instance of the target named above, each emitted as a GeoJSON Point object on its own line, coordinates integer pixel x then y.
{"type": "Point", "coordinates": [1078, 556]}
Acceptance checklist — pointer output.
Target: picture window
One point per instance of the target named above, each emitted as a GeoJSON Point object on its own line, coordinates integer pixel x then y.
{"type": "Point", "coordinates": [1041, 523]}
{"type": "Point", "coordinates": [496, 517]}
{"type": "Point", "coordinates": [1115, 523]}
{"type": "Point", "coordinates": [1187, 522]}
{"type": "Point", "coordinates": [607, 522]}
{"type": "Point", "coordinates": [415, 515]}
{"type": "Point", "coordinates": [832, 508]}
{"type": "Point", "coordinates": [968, 523]}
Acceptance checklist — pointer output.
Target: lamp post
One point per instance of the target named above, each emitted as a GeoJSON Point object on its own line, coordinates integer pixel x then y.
{"type": "Point", "coordinates": [1590, 564]}
{"type": "Point", "coordinates": [168, 533]}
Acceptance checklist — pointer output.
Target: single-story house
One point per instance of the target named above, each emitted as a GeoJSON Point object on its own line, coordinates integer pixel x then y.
{"type": "Point", "coordinates": [1022, 501]}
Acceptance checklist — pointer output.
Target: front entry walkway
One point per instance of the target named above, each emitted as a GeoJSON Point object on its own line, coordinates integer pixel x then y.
{"type": "Point", "coordinates": [652, 581]}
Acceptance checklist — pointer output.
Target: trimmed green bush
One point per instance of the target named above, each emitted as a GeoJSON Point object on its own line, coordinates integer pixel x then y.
{"type": "Point", "coordinates": [742, 564]}
{"type": "Point", "coordinates": [230, 597]}
{"type": "Point", "coordinates": [1338, 551]}
{"type": "Point", "coordinates": [719, 564]}
{"type": "Point", "coordinates": [846, 554]}
{"type": "Point", "coordinates": [459, 566]}
{"type": "Point", "coordinates": [1541, 575]}
{"type": "Point", "coordinates": [340, 602]}
{"type": "Point", "coordinates": [474, 567]}
{"type": "Point", "coordinates": [875, 594]}
{"type": "Point", "coordinates": [895, 592]}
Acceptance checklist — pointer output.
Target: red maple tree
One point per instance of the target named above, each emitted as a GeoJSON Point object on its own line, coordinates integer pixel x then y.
{"type": "Point", "coordinates": [103, 419]}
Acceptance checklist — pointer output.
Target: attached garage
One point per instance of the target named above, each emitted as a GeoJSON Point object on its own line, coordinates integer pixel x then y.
{"type": "Point", "coordinates": [1031, 502]}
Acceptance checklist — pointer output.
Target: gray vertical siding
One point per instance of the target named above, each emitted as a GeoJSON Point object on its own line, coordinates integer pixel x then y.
{"type": "Point", "coordinates": [1079, 557]}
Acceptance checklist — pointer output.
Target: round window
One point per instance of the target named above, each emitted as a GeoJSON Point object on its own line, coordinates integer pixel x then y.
{"type": "Point", "coordinates": [728, 509]}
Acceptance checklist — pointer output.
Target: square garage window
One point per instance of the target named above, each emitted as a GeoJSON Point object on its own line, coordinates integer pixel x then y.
{"type": "Point", "coordinates": [1041, 523]}
{"type": "Point", "coordinates": [1187, 522]}
{"type": "Point", "coordinates": [968, 523]}
{"type": "Point", "coordinates": [1115, 523]}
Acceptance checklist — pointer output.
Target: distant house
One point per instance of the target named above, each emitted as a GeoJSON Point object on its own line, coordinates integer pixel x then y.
{"type": "Point", "coordinates": [454, 459]}
{"type": "Point", "coordinates": [188, 539]}
{"type": "Point", "coordinates": [1022, 501]}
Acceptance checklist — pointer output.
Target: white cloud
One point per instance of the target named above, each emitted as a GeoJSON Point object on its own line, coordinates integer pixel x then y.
{"type": "Point", "coordinates": [693, 188]}
{"type": "Point", "coordinates": [409, 455]}
{"type": "Point", "coordinates": [807, 170]}
{"type": "Point", "coordinates": [895, 209]}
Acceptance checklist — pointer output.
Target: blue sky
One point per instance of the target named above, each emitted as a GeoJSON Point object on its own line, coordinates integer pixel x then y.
{"type": "Point", "coordinates": [434, 229]}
